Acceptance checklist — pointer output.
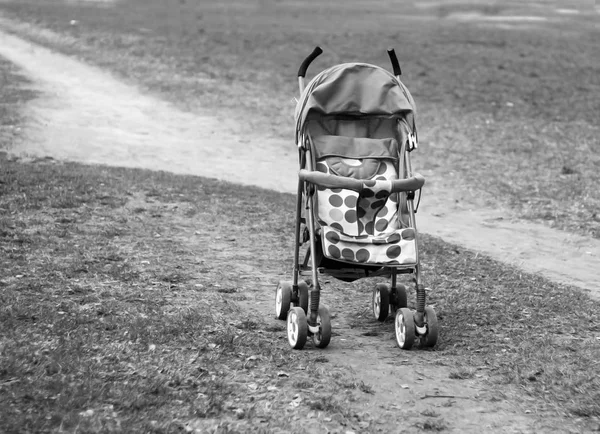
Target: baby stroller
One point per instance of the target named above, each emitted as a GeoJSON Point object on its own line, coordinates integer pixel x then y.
{"type": "Point", "coordinates": [355, 130]}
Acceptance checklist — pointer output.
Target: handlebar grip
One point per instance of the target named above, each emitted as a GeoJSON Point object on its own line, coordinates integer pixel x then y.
{"type": "Point", "coordinates": [312, 56]}
{"type": "Point", "coordinates": [394, 60]}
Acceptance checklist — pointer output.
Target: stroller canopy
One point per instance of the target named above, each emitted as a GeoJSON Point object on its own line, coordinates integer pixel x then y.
{"type": "Point", "coordinates": [354, 89]}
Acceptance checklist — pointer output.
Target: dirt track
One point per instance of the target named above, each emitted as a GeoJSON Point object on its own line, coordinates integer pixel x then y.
{"type": "Point", "coordinates": [86, 115]}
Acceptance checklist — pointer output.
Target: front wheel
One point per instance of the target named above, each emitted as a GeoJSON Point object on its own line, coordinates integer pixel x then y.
{"type": "Point", "coordinates": [297, 328]}
{"type": "Point", "coordinates": [404, 325]}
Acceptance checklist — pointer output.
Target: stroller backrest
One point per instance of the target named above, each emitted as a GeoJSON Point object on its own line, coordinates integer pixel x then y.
{"type": "Point", "coordinates": [372, 213]}
{"type": "Point", "coordinates": [375, 128]}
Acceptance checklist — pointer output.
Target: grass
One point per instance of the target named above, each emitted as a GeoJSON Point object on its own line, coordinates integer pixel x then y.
{"type": "Point", "coordinates": [123, 310]}
{"type": "Point", "coordinates": [118, 316]}
{"type": "Point", "coordinates": [517, 329]}
{"type": "Point", "coordinates": [507, 113]}
{"type": "Point", "coordinates": [125, 295]}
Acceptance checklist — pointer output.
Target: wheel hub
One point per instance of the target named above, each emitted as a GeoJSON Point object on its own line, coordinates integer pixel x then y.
{"type": "Point", "coordinates": [377, 303]}
{"type": "Point", "coordinates": [317, 335]}
{"type": "Point", "coordinates": [278, 300]}
{"type": "Point", "coordinates": [400, 330]}
{"type": "Point", "coordinates": [293, 327]}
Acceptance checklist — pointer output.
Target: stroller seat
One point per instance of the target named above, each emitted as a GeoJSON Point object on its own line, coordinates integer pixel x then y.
{"type": "Point", "coordinates": [362, 227]}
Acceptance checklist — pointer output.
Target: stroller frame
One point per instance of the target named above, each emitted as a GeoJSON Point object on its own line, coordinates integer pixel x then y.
{"type": "Point", "coordinates": [298, 302]}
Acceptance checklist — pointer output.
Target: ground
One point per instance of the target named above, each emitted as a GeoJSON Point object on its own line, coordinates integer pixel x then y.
{"type": "Point", "coordinates": [99, 119]}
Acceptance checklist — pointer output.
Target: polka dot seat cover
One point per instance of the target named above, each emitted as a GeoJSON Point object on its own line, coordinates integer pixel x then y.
{"type": "Point", "coordinates": [363, 228]}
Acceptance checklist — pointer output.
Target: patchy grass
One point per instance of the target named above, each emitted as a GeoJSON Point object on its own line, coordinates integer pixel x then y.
{"type": "Point", "coordinates": [119, 319]}
{"type": "Point", "coordinates": [116, 319]}
{"type": "Point", "coordinates": [122, 299]}
{"type": "Point", "coordinates": [124, 306]}
{"type": "Point", "coordinates": [503, 326]}
{"type": "Point", "coordinates": [507, 107]}
{"type": "Point", "coordinates": [462, 374]}
{"type": "Point", "coordinates": [516, 328]}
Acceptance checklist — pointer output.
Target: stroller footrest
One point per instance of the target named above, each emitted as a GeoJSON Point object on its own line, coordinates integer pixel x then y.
{"type": "Point", "coordinates": [348, 274]}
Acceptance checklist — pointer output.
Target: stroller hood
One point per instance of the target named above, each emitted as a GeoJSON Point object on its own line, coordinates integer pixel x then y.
{"type": "Point", "coordinates": [354, 89]}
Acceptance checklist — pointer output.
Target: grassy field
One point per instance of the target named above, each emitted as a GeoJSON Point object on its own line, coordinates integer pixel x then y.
{"type": "Point", "coordinates": [125, 295]}
{"type": "Point", "coordinates": [125, 306]}
{"type": "Point", "coordinates": [507, 105]}
{"type": "Point", "coordinates": [119, 314]}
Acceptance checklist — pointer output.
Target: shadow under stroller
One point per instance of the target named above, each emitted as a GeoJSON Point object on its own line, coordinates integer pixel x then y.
{"type": "Point", "coordinates": [355, 130]}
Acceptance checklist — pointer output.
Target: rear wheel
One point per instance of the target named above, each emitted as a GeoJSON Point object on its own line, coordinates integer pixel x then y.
{"type": "Point", "coordinates": [380, 302]}
{"type": "Point", "coordinates": [303, 295]}
{"type": "Point", "coordinates": [283, 299]}
{"type": "Point", "coordinates": [431, 337]}
{"type": "Point", "coordinates": [323, 336]}
{"type": "Point", "coordinates": [401, 299]}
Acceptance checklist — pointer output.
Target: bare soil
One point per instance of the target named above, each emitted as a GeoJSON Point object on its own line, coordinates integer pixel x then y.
{"type": "Point", "coordinates": [86, 115]}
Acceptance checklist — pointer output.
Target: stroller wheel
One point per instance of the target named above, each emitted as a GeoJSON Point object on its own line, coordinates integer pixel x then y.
{"type": "Point", "coordinates": [283, 297]}
{"type": "Point", "coordinates": [430, 338]}
{"type": "Point", "coordinates": [297, 328]}
{"type": "Point", "coordinates": [322, 338]}
{"type": "Point", "coordinates": [401, 299]}
{"type": "Point", "coordinates": [303, 295]}
{"type": "Point", "coordinates": [380, 303]}
{"type": "Point", "coordinates": [405, 328]}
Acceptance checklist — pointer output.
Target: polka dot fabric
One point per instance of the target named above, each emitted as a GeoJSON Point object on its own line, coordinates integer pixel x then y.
{"type": "Point", "coordinates": [336, 207]}
{"type": "Point", "coordinates": [374, 215]}
{"type": "Point", "coordinates": [364, 228]}
{"type": "Point", "coordinates": [398, 248]}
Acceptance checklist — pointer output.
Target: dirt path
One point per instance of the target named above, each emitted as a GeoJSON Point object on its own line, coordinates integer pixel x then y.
{"type": "Point", "coordinates": [403, 391]}
{"type": "Point", "coordinates": [86, 115]}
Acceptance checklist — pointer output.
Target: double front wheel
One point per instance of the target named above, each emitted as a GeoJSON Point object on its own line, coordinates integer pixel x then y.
{"type": "Point", "coordinates": [285, 299]}
{"type": "Point", "coordinates": [298, 330]}
{"type": "Point", "coordinates": [293, 308]}
{"type": "Point", "coordinates": [384, 298]}
{"type": "Point", "coordinates": [406, 330]}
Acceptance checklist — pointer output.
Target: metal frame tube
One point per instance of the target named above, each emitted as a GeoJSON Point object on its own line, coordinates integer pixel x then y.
{"type": "Point", "coordinates": [299, 197]}
{"type": "Point", "coordinates": [315, 293]}
{"type": "Point", "coordinates": [421, 296]}
{"type": "Point", "coordinates": [301, 84]}
{"type": "Point", "coordinates": [297, 234]}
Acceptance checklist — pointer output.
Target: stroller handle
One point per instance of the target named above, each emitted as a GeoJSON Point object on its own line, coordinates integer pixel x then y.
{"type": "Point", "coordinates": [333, 181]}
{"type": "Point", "coordinates": [306, 63]}
{"type": "Point", "coordinates": [395, 65]}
